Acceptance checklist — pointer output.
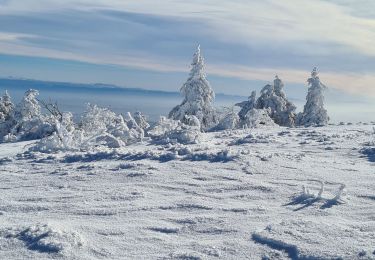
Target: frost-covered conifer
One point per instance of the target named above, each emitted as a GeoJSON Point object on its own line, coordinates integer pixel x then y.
{"type": "Point", "coordinates": [246, 106]}
{"type": "Point", "coordinates": [314, 113]}
{"type": "Point", "coordinates": [198, 96]}
{"type": "Point", "coordinates": [6, 112]}
{"type": "Point", "coordinates": [29, 107]}
{"type": "Point", "coordinates": [273, 98]}
{"type": "Point", "coordinates": [6, 107]}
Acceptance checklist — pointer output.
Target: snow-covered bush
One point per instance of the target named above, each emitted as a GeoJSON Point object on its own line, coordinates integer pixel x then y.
{"type": "Point", "coordinates": [198, 96]}
{"type": "Point", "coordinates": [246, 106]}
{"type": "Point", "coordinates": [314, 113]}
{"type": "Point", "coordinates": [272, 97]}
{"type": "Point", "coordinates": [229, 121]}
{"type": "Point", "coordinates": [257, 118]}
{"type": "Point", "coordinates": [174, 131]}
{"type": "Point", "coordinates": [98, 127]}
{"type": "Point", "coordinates": [65, 138]}
{"type": "Point", "coordinates": [26, 121]}
{"type": "Point", "coordinates": [141, 120]}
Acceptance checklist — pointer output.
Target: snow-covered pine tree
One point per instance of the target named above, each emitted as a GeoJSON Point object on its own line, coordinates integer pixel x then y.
{"type": "Point", "coordinates": [29, 106]}
{"type": "Point", "coordinates": [6, 112]}
{"type": "Point", "coordinates": [246, 106]}
{"type": "Point", "coordinates": [6, 106]}
{"type": "Point", "coordinates": [198, 96]}
{"type": "Point", "coordinates": [273, 98]}
{"type": "Point", "coordinates": [314, 113]}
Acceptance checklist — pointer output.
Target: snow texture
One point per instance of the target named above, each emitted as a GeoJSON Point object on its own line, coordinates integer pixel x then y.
{"type": "Point", "coordinates": [259, 193]}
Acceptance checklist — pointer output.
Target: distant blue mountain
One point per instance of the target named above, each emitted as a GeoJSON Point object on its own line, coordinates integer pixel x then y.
{"type": "Point", "coordinates": [74, 96]}
{"type": "Point", "coordinates": [24, 84]}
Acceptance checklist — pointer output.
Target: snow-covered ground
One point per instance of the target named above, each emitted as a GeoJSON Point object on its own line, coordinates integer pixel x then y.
{"type": "Point", "coordinates": [235, 195]}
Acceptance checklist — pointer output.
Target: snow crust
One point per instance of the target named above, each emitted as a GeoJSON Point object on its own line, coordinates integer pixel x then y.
{"type": "Point", "coordinates": [260, 193]}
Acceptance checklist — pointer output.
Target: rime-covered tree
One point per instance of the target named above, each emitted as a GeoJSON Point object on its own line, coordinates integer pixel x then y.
{"type": "Point", "coordinates": [26, 121]}
{"type": "Point", "coordinates": [246, 106]}
{"type": "Point", "coordinates": [29, 106]}
{"type": "Point", "coordinates": [6, 107]}
{"type": "Point", "coordinates": [273, 98]}
{"type": "Point", "coordinates": [198, 96]}
{"type": "Point", "coordinates": [6, 112]}
{"type": "Point", "coordinates": [314, 113]}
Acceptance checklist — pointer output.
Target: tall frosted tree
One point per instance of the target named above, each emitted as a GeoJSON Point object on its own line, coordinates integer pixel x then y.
{"type": "Point", "coordinates": [6, 106]}
{"type": "Point", "coordinates": [198, 96]}
{"type": "Point", "coordinates": [6, 112]}
{"type": "Point", "coordinates": [314, 113]}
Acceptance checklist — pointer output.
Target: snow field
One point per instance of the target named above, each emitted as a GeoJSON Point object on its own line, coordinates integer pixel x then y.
{"type": "Point", "coordinates": [241, 194]}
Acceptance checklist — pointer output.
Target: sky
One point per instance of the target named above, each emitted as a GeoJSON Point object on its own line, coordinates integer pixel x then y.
{"type": "Point", "coordinates": [149, 44]}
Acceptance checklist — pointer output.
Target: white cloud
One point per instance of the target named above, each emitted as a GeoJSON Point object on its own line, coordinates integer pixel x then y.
{"type": "Point", "coordinates": [243, 20]}
{"type": "Point", "coordinates": [319, 23]}
{"type": "Point", "coordinates": [354, 83]}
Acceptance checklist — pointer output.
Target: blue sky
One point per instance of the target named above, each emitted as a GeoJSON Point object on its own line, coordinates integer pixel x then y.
{"type": "Point", "coordinates": [149, 44]}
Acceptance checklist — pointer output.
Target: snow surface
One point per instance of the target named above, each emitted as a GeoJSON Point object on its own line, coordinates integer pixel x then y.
{"type": "Point", "coordinates": [268, 193]}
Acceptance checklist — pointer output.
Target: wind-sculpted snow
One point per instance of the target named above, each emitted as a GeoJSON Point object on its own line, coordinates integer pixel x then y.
{"type": "Point", "coordinates": [41, 239]}
{"type": "Point", "coordinates": [261, 193]}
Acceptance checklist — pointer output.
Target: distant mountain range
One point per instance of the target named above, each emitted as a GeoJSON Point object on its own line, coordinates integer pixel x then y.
{"type": "Point", "coordinates": [24, 84]}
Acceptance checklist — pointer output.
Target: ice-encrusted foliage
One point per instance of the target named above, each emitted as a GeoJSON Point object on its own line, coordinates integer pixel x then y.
{"type": "Point", "coordinates": [314, 113]}
{"type": "Point", "coordinates": [26, 121]}
{"type": "Point", "coordinates": [273, 97]}
{"type": "Point", "coordinates": [141, 120]}
{"type": "Point", "coordinates": [174, 131]}
{"type": "Point", "coordinates": [6, 111]}
{"type": "Point", "coordinates": [246, 106]}
{"type": "Point", "coordinates": [257, 118]}
{"type": "Point", "coordinates": [230, 120]}
{"type": "Point", "coordinates": [198, 96]}
{"type": "Point", "coordinates": [65, 138]}
{"type": "Point", "coordinates": [99, 127]}
{"type": "Point", "coordinates": [6, 106]}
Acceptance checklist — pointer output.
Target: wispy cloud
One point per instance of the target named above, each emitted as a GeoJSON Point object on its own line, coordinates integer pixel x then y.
{"type": "Point", "coordinates": [244, 39]}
